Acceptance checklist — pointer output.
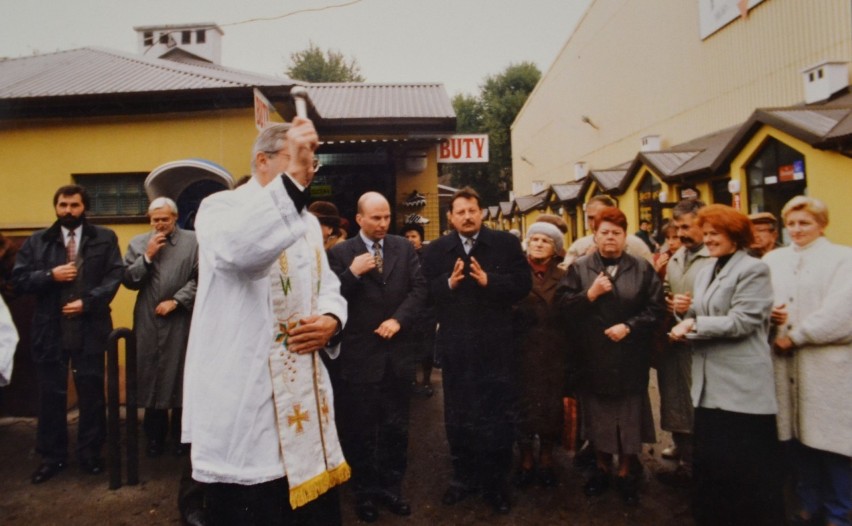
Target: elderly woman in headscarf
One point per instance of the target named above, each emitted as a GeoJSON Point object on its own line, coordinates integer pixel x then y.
{"type": "Point", "coordinates": [542, 357]}
{"type": "Point", "coordinates": [614, 300]}
{"type": "Point", "coordinates": [812, 280]}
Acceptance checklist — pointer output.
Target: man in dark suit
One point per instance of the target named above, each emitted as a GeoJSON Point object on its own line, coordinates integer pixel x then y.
{"type": "Point", "coordinates": [381, 280]}
{"type": "Point", "coordinates": [475, 276]}
{"type": "Point", "coordinates": [74, 269]}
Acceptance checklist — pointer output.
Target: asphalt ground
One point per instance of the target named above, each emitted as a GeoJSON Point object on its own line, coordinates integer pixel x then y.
{"type": "Point", "coordinates": [76, 498]}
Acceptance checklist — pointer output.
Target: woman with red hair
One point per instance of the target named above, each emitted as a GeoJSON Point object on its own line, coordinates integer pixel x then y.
{"type": "Point", "coordinates": [733, 388]}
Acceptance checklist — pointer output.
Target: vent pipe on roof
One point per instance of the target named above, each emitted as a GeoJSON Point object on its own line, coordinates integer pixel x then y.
{"type": "Point", "coordinates": [824, 80]}
{"type": "Point", "coordinates": [580, 170]}
{"type": "Point", "coordinates": [650, 143]}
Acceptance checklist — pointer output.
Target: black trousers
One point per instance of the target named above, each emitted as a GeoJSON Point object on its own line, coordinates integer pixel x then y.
{"type": "Point", "coordinates": [737, 475]}
{"type": "Point", "coordinates": [268, 504]}
{"type": "Point", "coordinates": [52, 431]}
{"type": "Point", "coordinates": [374, 432]}
{"type": "Point", "coordinates": [157, 424]}
{"type": "Point", "coordinates": [479, 415]}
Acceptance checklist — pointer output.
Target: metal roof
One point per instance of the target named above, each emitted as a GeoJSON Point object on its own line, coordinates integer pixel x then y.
{"type": "Point", "coordinates": [506, 208]}
{"type": "Point", "coordinates": [570, 191]}
{"type": "Point", "coordinates": [377, 101]}
{"type": "Point", "coordinates": [97, 71]}
{"type": "Point", "coordinates": [609, 180]}
{"type": "Point", "coordinates": [528, 202]}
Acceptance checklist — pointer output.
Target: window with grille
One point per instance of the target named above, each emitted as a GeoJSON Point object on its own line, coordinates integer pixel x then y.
{"type": "Point", "coordinates": [114, 195]}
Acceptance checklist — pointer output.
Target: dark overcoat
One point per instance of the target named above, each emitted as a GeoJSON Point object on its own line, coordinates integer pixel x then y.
{"type": "Point", "coordinates": [475, 337]}
{"type": "Point", "coordinates": [542, 356]}
{"type": "Point", "coordinates": [99, 268]}
{"type": "Point", "coordinates": [605, 367]}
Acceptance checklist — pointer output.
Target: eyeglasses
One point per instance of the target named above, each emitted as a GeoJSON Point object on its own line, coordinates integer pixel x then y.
{"type": "Point", "coordinates": [316, 162]}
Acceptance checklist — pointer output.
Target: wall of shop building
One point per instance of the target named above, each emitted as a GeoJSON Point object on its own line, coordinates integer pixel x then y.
{"type": "Point", "coordinates": [635, 68]}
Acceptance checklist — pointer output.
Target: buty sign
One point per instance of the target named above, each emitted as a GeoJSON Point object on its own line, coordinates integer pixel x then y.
{"type": "Point", "coordinates": [464, 149]}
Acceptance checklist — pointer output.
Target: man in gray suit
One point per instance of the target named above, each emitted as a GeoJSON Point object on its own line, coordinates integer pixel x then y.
{"type": "Point", "coordinates": [386, 293]}
{"type": "Point", "coordinates": [674, 369]}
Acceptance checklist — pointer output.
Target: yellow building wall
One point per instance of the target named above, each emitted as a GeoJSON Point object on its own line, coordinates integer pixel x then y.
{"type": "Point", "coordinates": [636, 68]}
{"type": "Point", "coordinates": [39, 157]}
{"type": "Point", "coordinates": [827, 176]}
{"type": "Point", "coordinates": [425, 182]}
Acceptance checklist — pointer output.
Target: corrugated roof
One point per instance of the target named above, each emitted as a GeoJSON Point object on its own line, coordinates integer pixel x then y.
{"type": "Point", "coordinates": [506, 208]}
{"type": "Point", "coordinates": [493, 211]}
{"type": "Point", "coordinates": [94, 71]}
{"type": "Point", "coordinates": [528, 202]}
{"type": "Point", "coordinates": [376, 101]}
{"type": "Point", "coordinates": [609, 180]}
{"type": "Point", "coordinates": [817, 122]}
{"type": "Point", "coordinates": [569, 191]}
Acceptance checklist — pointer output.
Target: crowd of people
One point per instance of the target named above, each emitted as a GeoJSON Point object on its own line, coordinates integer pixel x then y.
{"type": "Point", "coordinates": [279, 357]}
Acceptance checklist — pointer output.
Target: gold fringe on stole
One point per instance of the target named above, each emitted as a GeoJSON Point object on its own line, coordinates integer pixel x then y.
{"type": "Point", "coordinates": [311, 489]}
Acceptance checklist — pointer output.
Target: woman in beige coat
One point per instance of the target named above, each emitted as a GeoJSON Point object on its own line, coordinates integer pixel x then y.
{"type": "Point", "coordinates": [812, 279]}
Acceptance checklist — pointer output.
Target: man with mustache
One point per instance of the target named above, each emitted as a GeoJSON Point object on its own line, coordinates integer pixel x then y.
{"type": "Point", "coordinates": [475, 276]}
{"type": "Point", "coordinates": [674, 369]}
{"type": "Point", "coordinates": [74, 269]}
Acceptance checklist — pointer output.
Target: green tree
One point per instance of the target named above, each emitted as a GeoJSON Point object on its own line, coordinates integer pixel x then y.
{"type": "Point", "coordinates": [314, 65]}
{"type": "Point", "coordinates": [493, 111]}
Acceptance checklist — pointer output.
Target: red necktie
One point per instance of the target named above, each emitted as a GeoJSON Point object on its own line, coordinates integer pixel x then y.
{"type": "Point", "coordinates": [71, 247]}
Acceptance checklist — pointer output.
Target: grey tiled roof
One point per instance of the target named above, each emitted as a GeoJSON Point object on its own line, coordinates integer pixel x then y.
{"type": "Point", "coordinates": [376, 101]}
{"type": "Point", "coordinates": [94, 71]}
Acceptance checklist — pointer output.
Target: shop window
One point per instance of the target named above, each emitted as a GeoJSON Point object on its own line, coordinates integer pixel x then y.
{"type": "Point", "coordinates": [650, 208]}
{"type": "Point", "coordinates": [721, 195]}
{"type": "Point", "coordinates": [775, 175]}
{"type": "Point", "coordinates": [115, 195]}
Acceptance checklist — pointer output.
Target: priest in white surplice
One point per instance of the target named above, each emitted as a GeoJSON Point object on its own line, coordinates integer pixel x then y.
{"type": "Point", "coordinates": [258, 405]}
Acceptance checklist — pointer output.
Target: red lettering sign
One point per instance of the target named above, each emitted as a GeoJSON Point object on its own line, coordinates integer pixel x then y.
{"type": "Point", "coordinates": [464, 149]}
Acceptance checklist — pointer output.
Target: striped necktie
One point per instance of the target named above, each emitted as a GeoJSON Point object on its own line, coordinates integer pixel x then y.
{"type": "Point", "coordinates": [71, 247]}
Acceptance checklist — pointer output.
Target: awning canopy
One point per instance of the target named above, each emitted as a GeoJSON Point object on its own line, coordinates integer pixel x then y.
{"type": "Point", "coordinates": [172, 178]}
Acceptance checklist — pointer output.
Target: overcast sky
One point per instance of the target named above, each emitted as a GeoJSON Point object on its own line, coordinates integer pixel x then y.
{"type": "Point", "coordinates": [457, 42]}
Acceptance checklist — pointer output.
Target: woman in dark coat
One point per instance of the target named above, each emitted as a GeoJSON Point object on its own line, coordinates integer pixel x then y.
{"type": "Point", "coordinates": [542, 355]}
{"type": "Point", "coordinates": [614, 301]}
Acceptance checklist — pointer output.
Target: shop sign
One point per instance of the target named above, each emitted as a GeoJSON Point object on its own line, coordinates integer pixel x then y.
{"type": "Point", "coordinates": [464, 149]}
{"type": "Point", "coordinates": [261, 110]}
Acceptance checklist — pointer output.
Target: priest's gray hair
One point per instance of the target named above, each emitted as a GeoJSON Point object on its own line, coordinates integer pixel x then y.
{"type": "Point", "coordinates": [161, 202]}
{"type": "Point", "coordinates": [270, 140]}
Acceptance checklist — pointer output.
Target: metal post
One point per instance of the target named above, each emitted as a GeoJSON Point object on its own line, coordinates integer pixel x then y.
{"type": "Point", "coordinates": [114, 416]}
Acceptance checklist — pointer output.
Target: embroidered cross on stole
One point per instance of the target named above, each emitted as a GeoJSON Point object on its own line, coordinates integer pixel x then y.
{"type": "Point", "coordinates": [304, 401]}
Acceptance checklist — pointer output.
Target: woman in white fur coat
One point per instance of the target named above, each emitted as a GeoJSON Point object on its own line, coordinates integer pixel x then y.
{"type": "Point", "coordinates": [812, 280]}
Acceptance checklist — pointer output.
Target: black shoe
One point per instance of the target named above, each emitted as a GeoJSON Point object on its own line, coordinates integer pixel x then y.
{"type": "Point", "coordinates": [629, 488]}
{"type": "Point", "coordinates": [367, 510]}
{"type": "Point", "coordinates": [422, 390]}
{"type": "Point", "coordinates": [547, 477]}
{"type": "Point", "coordinates": [197, 517]}
{"type": "Point", "coordinates": [523, 477]}
{"type": "Point", "coordinates": [155, 448]}
{"type": "Point", "coordinates": [597, 484]}
{"type": "Point", "coordinates": [585, 457]}
{"type": "Point", "coordinates": [455, 494]}
{"type": "Point", "coordinates": [414, 200]}
{"type": "Point", "coordinates": [679, 477]}
{"type": "Point", "coordinates": [499, 501]}
{"type": "Point", "coordinates": [92, 466]}
{"type": "Point", "coordinates": [395, 503]}
{"type": "Point", "coordinates": [46, 471]}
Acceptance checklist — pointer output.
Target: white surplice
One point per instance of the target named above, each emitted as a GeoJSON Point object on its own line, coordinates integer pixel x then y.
{"type": "Point", "coordinates": [229, 414]}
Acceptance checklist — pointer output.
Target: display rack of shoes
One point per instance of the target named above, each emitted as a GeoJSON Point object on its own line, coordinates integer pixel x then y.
{"type": "Point", "coordinates": [414, 200]}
